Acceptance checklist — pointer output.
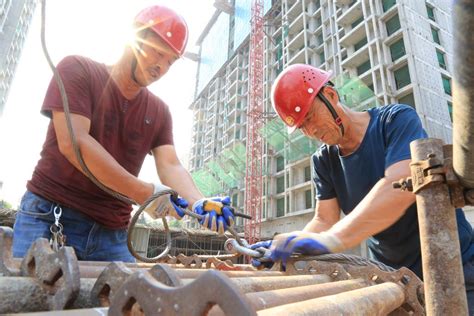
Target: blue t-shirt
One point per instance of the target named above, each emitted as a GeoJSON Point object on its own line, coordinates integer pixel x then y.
{"type": "Point", "coordinates": [349, 179]}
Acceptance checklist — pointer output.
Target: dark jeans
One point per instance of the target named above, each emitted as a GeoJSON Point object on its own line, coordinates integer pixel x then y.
{"type": "Point", "coordinates": [90, 240]}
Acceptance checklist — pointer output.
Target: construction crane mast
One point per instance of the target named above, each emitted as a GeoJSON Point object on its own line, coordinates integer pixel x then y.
{"type": "Point", "coordinates": [253, 175]}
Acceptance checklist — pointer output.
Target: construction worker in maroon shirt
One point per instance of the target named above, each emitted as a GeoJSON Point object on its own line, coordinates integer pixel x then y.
{"type": "Point", "coordinates": [116, 121]}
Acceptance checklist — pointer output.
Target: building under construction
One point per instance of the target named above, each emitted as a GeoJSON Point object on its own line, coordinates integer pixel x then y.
{"type": "Point", "coordinates": [15, 19]}
{"type": "Point", "coordinates": [376, 55]}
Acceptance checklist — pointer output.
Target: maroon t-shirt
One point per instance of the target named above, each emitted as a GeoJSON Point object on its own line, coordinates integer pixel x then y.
{"type": "Point", "coordinates": [127, 129]}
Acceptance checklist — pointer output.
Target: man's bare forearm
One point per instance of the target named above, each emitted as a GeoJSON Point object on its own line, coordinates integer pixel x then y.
{"type": "Point", "coordinates": [380, 209]}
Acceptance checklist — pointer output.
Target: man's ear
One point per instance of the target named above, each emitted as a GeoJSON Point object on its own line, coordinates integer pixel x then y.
{"type": "Point", "coordinates": [331, 94]}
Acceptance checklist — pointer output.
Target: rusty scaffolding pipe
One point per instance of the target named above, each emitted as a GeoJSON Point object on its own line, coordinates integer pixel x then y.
{"type": "Point", "coordinates": [22, 294]}
{"type": "Point", "coordinates": [267, 299]}
{"type": "Point", "coordinates": [379, 299]}
{"type": "Point", "coordinates": [87, 271]}
{"type": "Point", "coordinates": [463, 92]}
{"type": "Point", "coordinates": [445, 293]}
{"type": "Point", "coordinates": [25, 294]}
{"type": "Point", "coordinates": [259, 284]}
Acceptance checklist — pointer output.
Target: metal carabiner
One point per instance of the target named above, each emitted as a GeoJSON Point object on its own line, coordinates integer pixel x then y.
{"type": "Point", "coordinates": [233, 246]}
{"type": "Point", "coordinates": [57, 211]}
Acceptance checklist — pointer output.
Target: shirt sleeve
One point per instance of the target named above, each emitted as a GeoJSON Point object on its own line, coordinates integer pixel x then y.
{"type": "Point", "coordinates": [321, 178]}
{"type": "Point", "coordinates": [76, 83]}
{"type": "Point", "coordinates": [402, 126]}
{"type": "Point", "coordinates": [164, 128]}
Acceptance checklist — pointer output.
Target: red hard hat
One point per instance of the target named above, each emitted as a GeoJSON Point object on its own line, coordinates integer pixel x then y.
{"type": "Point", "coordinates": [167, 24]}
{"type": "Point", "coordinates": [294, 90]}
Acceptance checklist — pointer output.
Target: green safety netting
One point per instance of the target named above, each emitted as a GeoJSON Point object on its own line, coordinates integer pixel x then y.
{"type": "Point", "coordinates": [293, 147]}
{"type": "Point", "coordinates": [222, 173]}
{"type": "Point", "coordinates": [354, 93]}
{"type": "Point", "coordinates": [206, 182]}
{"type": "Point", "coordinates": [218, 170]}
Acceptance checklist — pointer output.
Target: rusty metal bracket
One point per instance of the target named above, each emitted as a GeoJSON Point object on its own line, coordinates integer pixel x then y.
{"type": "Point", "coordinates": [7, 267]}
{"type": "Point", "coordinates": [433, 170]}
{"type": "Point", "coordinates": [116, 273]}
{"type": "Point", "coordinates": [426, 172]}
{"type": "Point", "coordinates": [190, 262]}
{"type": "Point", "coordinates": [218, 264]}
{"type": "Point", "coordinates": [196, 298]}
{"type": "Point", "coordinates": [108, 282]}
{"type": "Point", "coordinates": [412, 285]}
{"type": "Point", "coordinates": [57, 272]}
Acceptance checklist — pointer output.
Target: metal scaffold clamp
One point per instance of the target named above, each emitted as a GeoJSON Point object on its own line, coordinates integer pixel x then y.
{"type": "Point", "coordinates": [433, 170]}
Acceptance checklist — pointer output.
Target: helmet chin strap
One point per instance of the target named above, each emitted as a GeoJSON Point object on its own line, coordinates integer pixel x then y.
{"type": "Point", "coordinates": [133, 68]}
{"type": "Point", "coordinates": [331, 109]}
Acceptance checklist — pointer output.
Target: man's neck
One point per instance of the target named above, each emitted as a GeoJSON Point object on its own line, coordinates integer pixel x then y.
{"type": "Point", "coordinates": [355, 132]}
{"type": "Point", "coordinates": [121, 75]}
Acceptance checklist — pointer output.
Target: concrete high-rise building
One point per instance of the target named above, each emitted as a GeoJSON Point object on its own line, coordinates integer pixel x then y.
{"type": "Point", "coordinates": [15, 18]}
{"type": "Point", "coordinates": [380, 52]}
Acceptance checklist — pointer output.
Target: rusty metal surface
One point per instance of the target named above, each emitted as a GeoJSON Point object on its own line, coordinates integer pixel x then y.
{"type": "Point", "coordinates": [193, 299]}
{"type": "Point", "coordinates": [8, 267]}
{"type": "Point", "coordinates": [57, 272]}
{"type": "Point", "coordinates": [463, 91]}
{"type": "Point", "coordinates": [445, 293]}
{"type": "Point", "coordinates": [111, 278]}
{"type": "Point", "coordinates": [412, 285]}
{"type": "Point", "coordinates": [456, 191]}
{"type": "Point", "coordinates": [98, 311]}
{"type": "Point", "coordinates": [304, 281]}
{"type": "Point", "coordinates": [267, 299]}
{"type": "Point", "coordinates": [380, 299]}
{"type": "Point", "coordinates": [259, 284]}
{"type": "Point", "coordinates": [25, 294]}
{"type": "Point", "coordinates": [115, 275]}
{"type": "Point", "coordinates": [91, 271]}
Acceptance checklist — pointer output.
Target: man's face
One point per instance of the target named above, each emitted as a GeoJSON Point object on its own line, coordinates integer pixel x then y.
{"type": "Point", "coordinates": [154, 58]}
{"type": "Point", "coordinates": [319, 124]}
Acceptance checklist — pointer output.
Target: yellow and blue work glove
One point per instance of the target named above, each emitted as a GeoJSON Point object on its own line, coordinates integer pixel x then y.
{"type": "Point", "coordinates": [304, 243]}
{"type": "Point", "coordinates": [216, 212]}
{"type": "Point", "coordinates": [166, 205]}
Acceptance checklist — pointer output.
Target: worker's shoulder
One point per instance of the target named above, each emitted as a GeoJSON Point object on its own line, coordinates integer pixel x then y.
{"type": "Point", "coordinates": [324, 151]}
{"type": "Point", "coordinates": [389, 112]}
{"type": "Point", "coordinates": [394, 108]}
{"type": "Point", "coordinates": [80, 63]}
{"type": "Point", "coordinates": [78, 59]}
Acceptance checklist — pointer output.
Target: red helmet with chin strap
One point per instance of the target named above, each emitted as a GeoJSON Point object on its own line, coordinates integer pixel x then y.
{"type": "Point", "coordinates": [294, 91]}
{"type": "Point", "coordinates": [167, 24]}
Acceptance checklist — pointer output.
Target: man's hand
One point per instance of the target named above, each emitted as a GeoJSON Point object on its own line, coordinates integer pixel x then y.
{"type": "Point", "coordinates": [304, 243]}
{"type": "Point", "coordinates": [265, 261]}
{"type": "Point", "coordinates": [216, 212]}
{"type": "Point", "coordinates": [166, 205]}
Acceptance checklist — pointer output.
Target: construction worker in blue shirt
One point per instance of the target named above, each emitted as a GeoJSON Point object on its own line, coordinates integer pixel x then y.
{"type": "Point", "coordinates": [361, 155]}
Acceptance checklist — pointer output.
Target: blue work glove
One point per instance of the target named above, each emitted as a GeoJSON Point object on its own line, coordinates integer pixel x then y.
{"type": "Point", "coordinates": [265, 261]}
{"type": "Point", "coordinates": [284, 245]}
{"type": "Point", "coordinates": [304, 243]}
{"type": "Point", "coordinates": [216, 212]}
{"type": "Point", "coordinates": [166, 205]}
